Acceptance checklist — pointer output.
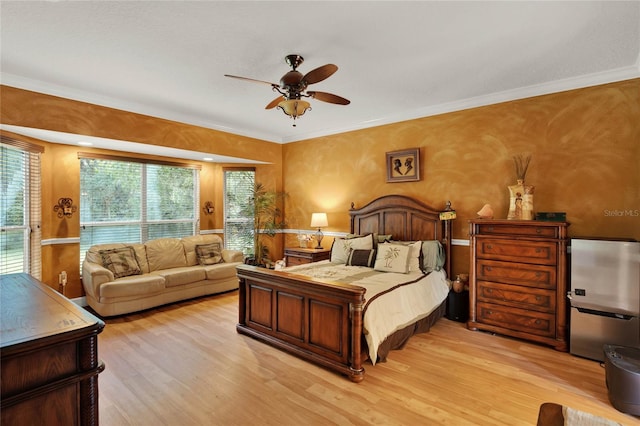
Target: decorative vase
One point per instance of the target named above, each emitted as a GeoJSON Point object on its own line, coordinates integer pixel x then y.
{"type": "Point", "coordinates": [520, 201]}
{"type": "Point", "coordinates": [457, 285]}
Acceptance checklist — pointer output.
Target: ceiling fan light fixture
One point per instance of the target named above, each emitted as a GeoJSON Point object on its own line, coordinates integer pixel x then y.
{"type": "Point", "coordinates": [294, 108]}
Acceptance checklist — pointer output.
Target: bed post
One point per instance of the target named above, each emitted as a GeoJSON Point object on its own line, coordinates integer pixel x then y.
{"type": "Point", "coordinates": [447, 216]}
{"type": "Point", "coordinates": [357, 372]}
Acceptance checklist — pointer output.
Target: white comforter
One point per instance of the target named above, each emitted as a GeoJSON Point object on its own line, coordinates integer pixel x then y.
{"type": "Point", "coordinates": [393, 300]}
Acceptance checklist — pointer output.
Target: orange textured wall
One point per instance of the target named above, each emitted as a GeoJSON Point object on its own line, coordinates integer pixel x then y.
{"type": "Point", "coordinates": [585, 148]}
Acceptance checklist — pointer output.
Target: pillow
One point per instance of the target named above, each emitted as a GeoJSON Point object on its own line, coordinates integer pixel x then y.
{"type": "Point", "coordinates": [341, 247]}
{"type": "Point", "coordinates": [209, 254]}
{"type": "Point", "coordinates": [362, 258]}
{"type": "Point", "coordinates": [377, 238]}
{"type": "Point", "coordinates": [121, 261]}
{"type": "Point", "coordinates": [392, 258]}
{"type": "Point", "coordinates": [415, 261]}
{"type": "Point", "coordinates": [382, 238]}
{"type": "Point", "coordinates": [433, 256]}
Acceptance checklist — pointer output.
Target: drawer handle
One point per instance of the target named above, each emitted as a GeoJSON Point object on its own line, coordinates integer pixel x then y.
{"type": "Point", "coordinates": [489, 290]}
{"type": "Point", "coordinates": [538, 230]}
{"type": "Point", "coordinates": [490, 229]}
{"type": "Point", "coordinates": [538, 298]}
{"type": "Point", "coordinates": [538, 250]}
{"type": "Point", "coordinates": [538, 274]}
{"type": "Point", "coordinates": [537, 322]}
{"type": "Point", "coordinates": [488, 268]}
{"type": "Point", "coordinates": [489, 246]}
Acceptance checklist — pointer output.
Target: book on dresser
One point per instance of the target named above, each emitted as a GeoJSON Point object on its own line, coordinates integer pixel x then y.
{"type": "Point", "coordinates": [518, 279]}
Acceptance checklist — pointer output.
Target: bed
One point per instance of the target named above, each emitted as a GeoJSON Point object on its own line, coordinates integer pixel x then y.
{"type": "Point", "coordinates": [320, 316]}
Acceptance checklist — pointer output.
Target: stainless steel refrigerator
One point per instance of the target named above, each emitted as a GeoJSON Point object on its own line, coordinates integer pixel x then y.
{"type": "Point", "coordinates": [604, 296]}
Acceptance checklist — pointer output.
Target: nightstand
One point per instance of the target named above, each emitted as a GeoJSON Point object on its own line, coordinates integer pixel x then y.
{"type": "Point", "coordinates": [298, 256]}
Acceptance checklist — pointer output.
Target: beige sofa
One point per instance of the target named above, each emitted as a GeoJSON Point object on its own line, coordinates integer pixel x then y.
{"type": "Point", "coordinates": [122, 278]}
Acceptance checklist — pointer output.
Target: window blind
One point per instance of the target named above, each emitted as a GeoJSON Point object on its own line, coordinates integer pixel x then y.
{"type": "Point", "coordinates": [238, 214]}
{"type": "Point", "coordinates": [20, 208]}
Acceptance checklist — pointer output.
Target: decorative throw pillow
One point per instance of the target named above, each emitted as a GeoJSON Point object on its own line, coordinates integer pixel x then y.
{"type": "Point", "coordinates": [341, 247]}
{"type": "Point", "coordinates": [121, 261]}
{"type": "Point", "coordinates": [414, 255]}
{"type": "Point", "coordinates": [392, 258]}
{"type": "Point", "coordinates": [209, 254]}
{"type": "Point", "coordinates": [362, 258]}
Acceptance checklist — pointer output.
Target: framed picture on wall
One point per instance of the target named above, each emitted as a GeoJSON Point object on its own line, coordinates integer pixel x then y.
{"type": "Point", "coordinates": [403, 166]}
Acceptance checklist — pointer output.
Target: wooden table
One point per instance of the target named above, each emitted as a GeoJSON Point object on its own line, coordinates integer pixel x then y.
{"type": "Point", "coordinates": [299, 255]}
{"type": "Point", "coordinates": [49, 356]}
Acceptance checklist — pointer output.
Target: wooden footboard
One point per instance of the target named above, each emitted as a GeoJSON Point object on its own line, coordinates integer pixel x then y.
{"type": "Point", "coordinates": [316, 320]}
{"type": "Point", "coordinates": [321, 321]}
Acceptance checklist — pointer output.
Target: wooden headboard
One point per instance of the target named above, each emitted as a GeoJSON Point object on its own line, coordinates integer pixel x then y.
{"type": "Point", "coordinates": [405, 219]}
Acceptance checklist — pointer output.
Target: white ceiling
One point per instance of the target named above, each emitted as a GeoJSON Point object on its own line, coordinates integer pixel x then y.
{"type": "Point", "coordinates": [397, 60]}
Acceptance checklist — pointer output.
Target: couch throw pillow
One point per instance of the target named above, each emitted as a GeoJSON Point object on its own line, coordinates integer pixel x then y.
{"type": "Point", "coordinates": [209, 254]}
{"type": "Point", "coordinates": [362, 258]}
{"type": "Point", "coordinates": [121, 261]}
{"type": "Point", "coordinates": [392, 258]}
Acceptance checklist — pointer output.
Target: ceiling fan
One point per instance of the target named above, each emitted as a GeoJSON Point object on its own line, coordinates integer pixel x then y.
{"type": "Point", "coordinates": [293, 88]}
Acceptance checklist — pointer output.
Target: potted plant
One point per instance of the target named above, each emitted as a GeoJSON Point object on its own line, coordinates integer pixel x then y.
{"type": "Point", "coordinates": [265, 208]}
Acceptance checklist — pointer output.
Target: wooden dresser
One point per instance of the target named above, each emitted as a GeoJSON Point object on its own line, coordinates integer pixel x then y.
{"type": "Point", "coordinates": [518, 279]}
{"type": "Point", "coordinates": [49, 356]}
{"type": "Point", "coordinates": [298, 256]}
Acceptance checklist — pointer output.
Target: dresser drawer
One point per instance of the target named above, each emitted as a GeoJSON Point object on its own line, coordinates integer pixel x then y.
{"type": "Point", "coordinates": [518, 296]}
{"type": "Point", "coordinates": [525, 274]}
{"type": "Point", "coordinates": [298, 256]}
{"type": "Point", "coordinates": [540, 252]}
{"type": "Point", "coordinates": [294, 260]}
{"type": "Point", "coordinates": [531, 322]}
{"type": "Point", "coordinates": [530, 229]}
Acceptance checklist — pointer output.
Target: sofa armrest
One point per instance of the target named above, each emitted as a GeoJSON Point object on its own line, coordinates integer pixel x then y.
{"type": "Point", "coordinates": [230, 256]}
{"type": "Point", "coordinates": [93, 276]}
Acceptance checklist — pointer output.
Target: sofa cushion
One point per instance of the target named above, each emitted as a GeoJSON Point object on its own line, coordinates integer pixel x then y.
{"type": "Point", "coordinates": [165, 253]}
{"type": "Point", "coordinates": [180, 276]}
{"type": "Point", "coordinates": [121, 261]}
{"type": "Point", "coordinates": [220, 271]}
{"type": "Point", "coordinates": [191, 242]}
{"type": "Point", "coordinates": [135, 285]}
{"type": "Point", "coordinates": [93, 254]}
{"type": "Point", "coordinates": [209, 254]}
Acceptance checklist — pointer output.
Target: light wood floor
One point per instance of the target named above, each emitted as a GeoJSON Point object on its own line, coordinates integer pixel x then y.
{"type": "Point", "coordinates": [184, 364]}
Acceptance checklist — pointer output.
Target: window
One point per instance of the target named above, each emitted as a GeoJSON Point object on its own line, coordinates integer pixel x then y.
{"type": "Point", "coordinates": [238, 217]}
{"type": "Point", "coordinates": [125, 200]}
{"type": "Point", "coordinates": [20, 207]}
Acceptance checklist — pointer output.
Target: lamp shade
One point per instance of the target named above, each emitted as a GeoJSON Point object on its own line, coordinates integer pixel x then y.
{"type": "Point", "coordinates": [294, 107]}
{"type": "Point", "coordinates": [319, 220]}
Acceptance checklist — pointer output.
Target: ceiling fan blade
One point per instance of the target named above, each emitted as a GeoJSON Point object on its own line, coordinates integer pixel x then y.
{"type": "Point", "coordinates": [328, 97]}
{"type": "Point", "coordinates": [274, 103]}
{"type": "Point", "coordinates": [320, 73]}
{"type": "Point", "coordinates": [251, 79]}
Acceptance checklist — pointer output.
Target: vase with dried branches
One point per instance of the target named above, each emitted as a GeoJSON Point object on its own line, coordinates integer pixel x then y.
{"type": "Point", "coordinates": [520, 194]}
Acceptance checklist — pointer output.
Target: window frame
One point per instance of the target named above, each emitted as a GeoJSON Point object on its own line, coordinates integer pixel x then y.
{"type": "Point", "coordinates": [31, 227]}
{"type": "Point", "coordinates": [144, 222]}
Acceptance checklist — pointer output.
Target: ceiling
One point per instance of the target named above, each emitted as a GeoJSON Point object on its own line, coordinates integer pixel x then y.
{"type": "Point", "coordinates": [397, 60]}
